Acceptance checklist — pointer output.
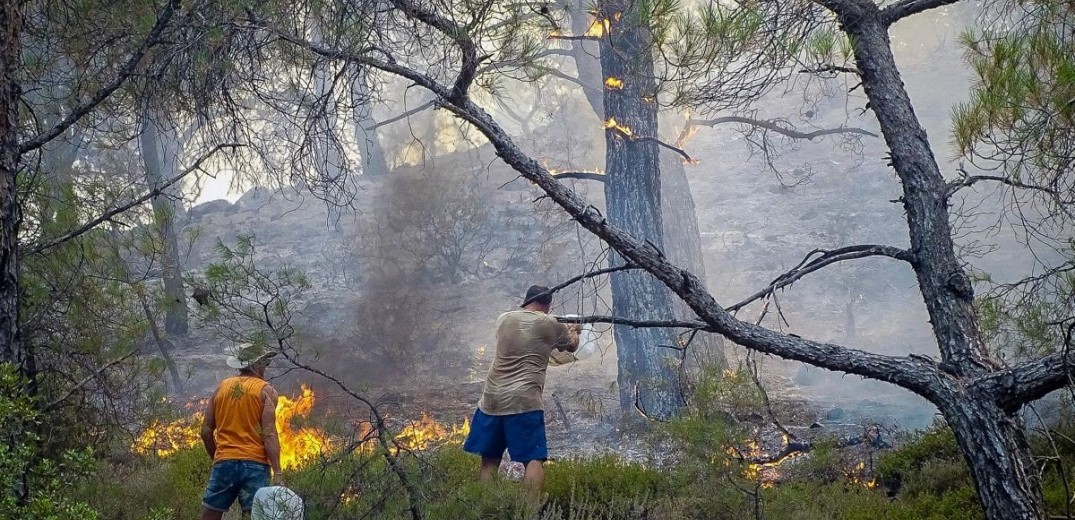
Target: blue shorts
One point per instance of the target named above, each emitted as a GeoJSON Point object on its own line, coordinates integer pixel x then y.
{"type": "Point", "coordinates": [233, 479]}
{"type": "Point", "coordinates": [522, 434]}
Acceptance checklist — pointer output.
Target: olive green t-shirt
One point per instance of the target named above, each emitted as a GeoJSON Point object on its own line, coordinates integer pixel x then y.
{"type": "Point", "coordinates": [524, 342]}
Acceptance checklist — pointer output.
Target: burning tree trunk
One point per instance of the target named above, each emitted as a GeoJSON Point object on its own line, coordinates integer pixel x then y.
{"type": "Point", "coordinates": [649, 359]}
{"type": "Point", "coordinates": [679, 224]}
{"type": "Point", "coordinates": [160, 151]}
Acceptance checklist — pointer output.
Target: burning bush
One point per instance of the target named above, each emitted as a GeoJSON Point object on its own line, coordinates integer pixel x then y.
{"type": "Point", "coordinates": [298, 444]}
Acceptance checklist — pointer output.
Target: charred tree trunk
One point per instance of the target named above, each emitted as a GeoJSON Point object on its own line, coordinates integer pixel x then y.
{"type": "Point", "coordinates": [649, 359]}
{"type": "Point", "coordinates": [10, 61]}
{"type": "Point", "coordinates": [160, 156]}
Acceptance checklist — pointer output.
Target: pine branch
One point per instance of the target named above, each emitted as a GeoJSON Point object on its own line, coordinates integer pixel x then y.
{"type": "Point", "coordinates": [159, 190]}
{"type": "Point", "coordinates": [125, 72]}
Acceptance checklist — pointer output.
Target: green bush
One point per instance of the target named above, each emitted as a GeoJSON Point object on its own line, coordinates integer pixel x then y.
{"type": "Point", "coordinates": [35, 484]}
{"type": "Point", "coordinates": [605, 484]}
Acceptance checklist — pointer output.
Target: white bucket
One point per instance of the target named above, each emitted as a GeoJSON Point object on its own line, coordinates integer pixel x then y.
{"type": "Point", "coordinates": [276, 503]}
{"type": "Point", "coordinates": [587, 346]}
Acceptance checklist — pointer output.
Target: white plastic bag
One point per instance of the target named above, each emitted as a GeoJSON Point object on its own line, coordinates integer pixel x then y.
{"type": "Point", "coordinates": [276, 503]}
{"type": "Point", "coordinates": [587, 346]}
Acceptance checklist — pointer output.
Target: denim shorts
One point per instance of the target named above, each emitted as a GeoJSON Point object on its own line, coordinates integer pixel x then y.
{"type": "Point", "coordinates": [233, 479]}
{"type": "Point", "coordinates": [522, 434]}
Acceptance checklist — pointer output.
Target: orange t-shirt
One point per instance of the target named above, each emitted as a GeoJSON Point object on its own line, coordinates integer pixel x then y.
{"type": "Point", "coordinates": [237, 407]}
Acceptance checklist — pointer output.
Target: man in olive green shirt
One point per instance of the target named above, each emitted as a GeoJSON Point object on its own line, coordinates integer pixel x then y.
{"type": "Point", "coordinates": [511, 414]}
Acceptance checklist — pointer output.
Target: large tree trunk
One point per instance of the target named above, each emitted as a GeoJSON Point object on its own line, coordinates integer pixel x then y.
{"type": "Point", "coordinates": [160, 157]}
{"type": "Point", "coordinates": [649, 358]}
{"type": "Point", "coordinates": [10, 61]}
{"type": "Point", "coordinates": [994, 445]}
{"type": "Point", "coordinates": [992, 440]}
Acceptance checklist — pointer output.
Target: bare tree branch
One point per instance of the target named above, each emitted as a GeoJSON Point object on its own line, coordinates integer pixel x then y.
{"type": "Point", "coordinates": [125, 72]}
{"type": "Point", "coordinates": [970, 180]}
{"type": "Point", "coordinates": [468, 70]}
{"type": "Point", "coordinates": [586, 176]}
{"type": "Point", "coordinates": [404, 115]}
{"type": "Point", "coordinates": [821, 69]}
{"type": "Point", "coordinates": [572, 37]}
{"type": "Point", "coordinates": [666, 145]}
{"type": "Point", "coordinates": [120, 209]}
{"type": "Point", "coordinates": [639, 324]}
{"type": "Point", "coordinates": [1022, 384]}
{"type": "Point", "coordinates": [579, 278]}
{"type": "Point", "coordinates": [810, 264]}
{"type": "Point", "coordinates": [97, 373]}
{"type": "Point", "coordinates": [905, 8]}
{"type": "Point", "coordinates": [557, 74]}
{"type": "Point", "coordinates": [778, 128]}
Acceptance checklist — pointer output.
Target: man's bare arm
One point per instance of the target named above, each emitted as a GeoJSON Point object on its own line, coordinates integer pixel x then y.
{"type": "Point", "coordinates": [269, 436]}
{"type": "Point", "coordinates": [208, 427]}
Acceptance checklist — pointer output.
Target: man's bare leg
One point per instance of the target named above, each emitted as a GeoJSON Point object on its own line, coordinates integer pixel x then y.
{"type": "Point", "coordinates": [209, 514]}
{"type": "Point", "coordinates": [534, 478]}
{"type": "Point", "coordinates": [490, 466]}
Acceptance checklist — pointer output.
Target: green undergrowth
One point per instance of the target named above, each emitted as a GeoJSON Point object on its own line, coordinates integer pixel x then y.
{"type": "Point", "coordinates": [923, 479]}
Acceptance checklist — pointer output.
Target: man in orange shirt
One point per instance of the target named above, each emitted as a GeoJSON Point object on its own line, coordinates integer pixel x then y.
{"type": "Point", "coordinates": [240, 435]}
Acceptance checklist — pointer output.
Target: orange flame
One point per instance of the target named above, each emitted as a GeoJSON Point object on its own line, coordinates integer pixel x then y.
{"type": "Point", "coordinates": [298, 445]}
{"type": "Point", "coordinates": [166, 439]}
{"type": "Point", "coordinates": [598, 28]}
{"type": "Point", "coordinates": [858, 476]}
{"type": "Point", "coordinates": [613, 83]}
{"type": "Point", "coordinates": [766, 474]}
{"type": "Point", "coordinates": [611, 123]}
{"type": "Point", "coordinates": [427, 433]}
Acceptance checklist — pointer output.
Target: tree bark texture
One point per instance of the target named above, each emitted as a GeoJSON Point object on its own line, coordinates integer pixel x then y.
{"type": "Point", "coordinates": [946, 289]}
{"type": "Point", "coordinates": [160, 157]}
{"type": "Point", "coordinates": [995, 447]}
{"type": "Point", "coordinates": [10, 92]}
{"type": "Point", "coordinates": [649, 359]}
{"type": "Point", "coordinates": [992, 439]}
